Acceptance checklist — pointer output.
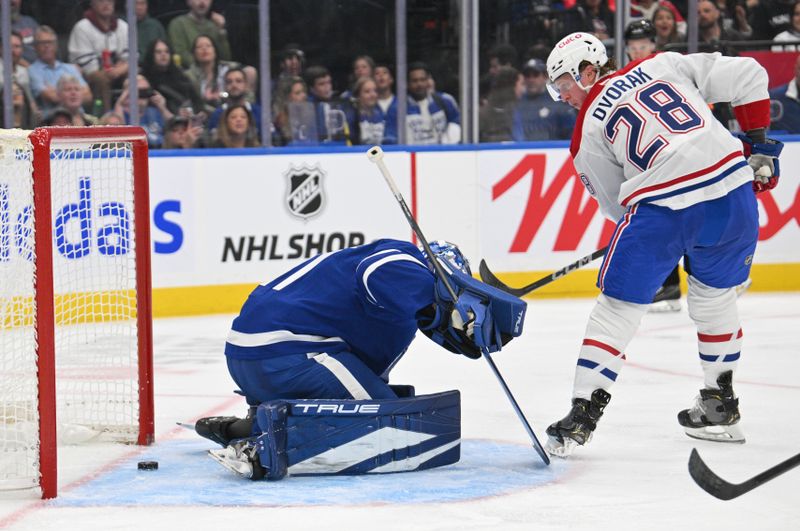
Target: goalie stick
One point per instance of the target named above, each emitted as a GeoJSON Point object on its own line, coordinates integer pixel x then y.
{"type": "Point", "coordinates": [719, 488]}
{"type": "Point", "coordinates": [490, 278]}
{"type": "Point", "coordinates": [375, 155]}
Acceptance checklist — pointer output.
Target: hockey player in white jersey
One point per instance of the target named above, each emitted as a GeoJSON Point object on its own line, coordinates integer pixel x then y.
{"type": "Point", "coordinates": [650, 152]}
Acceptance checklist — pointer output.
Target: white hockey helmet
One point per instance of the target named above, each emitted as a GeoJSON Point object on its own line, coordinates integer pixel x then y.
{"type": "Point", "coordinates": [569, 53]}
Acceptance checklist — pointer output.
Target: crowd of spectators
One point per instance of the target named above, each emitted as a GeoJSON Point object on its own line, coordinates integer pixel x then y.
{"type": "Point", "coordinates": [516, 107]}
{"type": "Point", "coordinates": [192, 92]}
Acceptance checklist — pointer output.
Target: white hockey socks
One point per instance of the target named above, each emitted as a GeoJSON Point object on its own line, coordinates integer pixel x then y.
{"type": "Point", "coordinates": [719, 332]}
{"type": "Point", "coordinates": [611, 327]}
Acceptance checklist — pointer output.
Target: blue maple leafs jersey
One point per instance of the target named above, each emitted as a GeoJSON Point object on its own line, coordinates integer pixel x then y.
{"type": "Point", "coordinates": [363, 300]}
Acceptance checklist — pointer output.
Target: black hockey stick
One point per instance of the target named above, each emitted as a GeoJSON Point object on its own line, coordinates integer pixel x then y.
{"type": "Point", "coordinates": [719, 488]}
{"type": "Point", "coordinates": [375, 154]}
{"type": "Point", "coordinates": [490, 278]}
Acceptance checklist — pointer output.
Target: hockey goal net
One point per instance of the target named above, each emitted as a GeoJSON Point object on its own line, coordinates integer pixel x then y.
{"type": "Point", "coordinates": [75, 319]}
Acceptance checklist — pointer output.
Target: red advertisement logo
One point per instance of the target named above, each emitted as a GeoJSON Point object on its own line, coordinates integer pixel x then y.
{"type": "Point", "coordinates": [580, 210]}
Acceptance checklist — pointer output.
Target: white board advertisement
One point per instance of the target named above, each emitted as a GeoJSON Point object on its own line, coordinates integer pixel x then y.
{"type": "Point", "coordinates": [248, 218]}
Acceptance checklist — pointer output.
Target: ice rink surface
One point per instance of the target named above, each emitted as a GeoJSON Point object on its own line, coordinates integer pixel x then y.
{"type": "Point", "coordinates": [633, 475]}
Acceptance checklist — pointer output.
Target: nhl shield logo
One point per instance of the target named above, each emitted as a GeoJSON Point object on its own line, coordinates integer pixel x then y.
{"type": "Point", "coordinates": [304, 195]}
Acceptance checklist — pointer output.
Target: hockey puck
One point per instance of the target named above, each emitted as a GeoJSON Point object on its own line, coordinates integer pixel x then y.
{"type": "Point", "coordinates": [148, 465]}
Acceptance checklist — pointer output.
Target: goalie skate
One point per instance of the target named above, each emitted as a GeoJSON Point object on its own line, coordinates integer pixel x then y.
{"type": "Point", "coordinates": [715, 414]}
{"type": "Point", "coordinates": [240, 458]}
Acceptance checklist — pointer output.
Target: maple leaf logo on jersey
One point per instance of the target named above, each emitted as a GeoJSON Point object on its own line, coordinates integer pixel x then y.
{"type": "Point", "coordinates": [304, 194]}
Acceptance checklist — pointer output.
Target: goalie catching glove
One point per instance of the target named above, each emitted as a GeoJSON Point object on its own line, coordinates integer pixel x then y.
{"type": "Point", "coordinates": [762, 155]}
{"type": "Point", "coordinates": [482, 317]}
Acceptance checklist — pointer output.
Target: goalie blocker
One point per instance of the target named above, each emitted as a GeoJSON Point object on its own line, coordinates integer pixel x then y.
{"type": "Point", "coordinates": [481, 317]}
{"type": "Point", "coordinates": [348, 437]}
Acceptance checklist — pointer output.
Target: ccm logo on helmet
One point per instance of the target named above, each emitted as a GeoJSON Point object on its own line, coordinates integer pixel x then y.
{"type": "Point", "coordinates": [574, 36]}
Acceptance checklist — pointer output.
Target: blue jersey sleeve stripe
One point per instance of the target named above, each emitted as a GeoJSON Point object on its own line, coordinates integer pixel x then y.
{"type": "Point", "coordinates": [374, 266]}
{"type": "Point", "coordinates": [300, 272]}
{"type": "Point", "coordinates": [241, 339]}
{"type": "Point", "coordinates": [373, 255]}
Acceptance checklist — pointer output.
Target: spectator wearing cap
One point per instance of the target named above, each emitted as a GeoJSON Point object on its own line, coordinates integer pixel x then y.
{"type": "Point", "coordinates": [179, 133]}
{"type": "Point", "coordinates": [538, 116]}
{"type": "Point", "coordinates": [496, 115]}
{"type": "Point", "coordinates": [640, 40]}
{"type": "Point", "coordinates": [47, 70]}
{"type": "Point", "coordinates": [25, 26]}
{"type": "Point", "coordinates": [98, 44]}
{"type": "Point", "coordinates": [432, 117]}
{"type": "Point", "coordinates": [183, 30]}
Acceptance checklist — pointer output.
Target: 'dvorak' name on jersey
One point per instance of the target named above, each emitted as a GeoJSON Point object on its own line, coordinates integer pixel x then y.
{"type": "Point", "coordinates": [617, 88]}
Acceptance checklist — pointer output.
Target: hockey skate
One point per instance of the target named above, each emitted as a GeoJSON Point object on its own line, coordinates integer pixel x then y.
{"type": "Point", "coordinates": [223, 430]}
{"type": "Point", "coordinates": [715, 415]}
{"type": "Point", "coordinates": [577, 427]}
{"type": "Point", "coordinates": [241, 458]}
{"type": "Point", "coordinates": [667, 299]}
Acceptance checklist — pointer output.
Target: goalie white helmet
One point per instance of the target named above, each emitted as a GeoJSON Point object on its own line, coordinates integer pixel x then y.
{"type": "Point", "coordinates": [569, 53]}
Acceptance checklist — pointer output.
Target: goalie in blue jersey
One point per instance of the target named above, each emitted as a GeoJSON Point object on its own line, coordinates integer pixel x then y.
{"type": "Point", "coordinates": [311, 351]}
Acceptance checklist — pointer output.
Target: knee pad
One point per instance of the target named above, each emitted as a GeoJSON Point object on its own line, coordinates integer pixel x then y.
{"type": "Point", "coordinates": [350, 437]}
{"type": "Point", "coordinates": [712, 308]}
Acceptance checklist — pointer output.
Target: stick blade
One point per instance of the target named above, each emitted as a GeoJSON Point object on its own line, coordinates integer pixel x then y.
{"type": "Point", "coordinates": [491, 279]}
{"type": "Point", "coordinates": [486, 274]}
{"type": "Point", "coordinates": [708, 480]}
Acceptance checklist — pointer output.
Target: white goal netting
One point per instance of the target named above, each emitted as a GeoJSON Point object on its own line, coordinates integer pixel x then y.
{"type": "Point", "coordinates": [94, 285]}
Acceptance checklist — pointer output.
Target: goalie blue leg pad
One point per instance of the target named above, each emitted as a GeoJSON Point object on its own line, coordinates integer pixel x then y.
{"type": "Point", "coordinates": [349, 437]}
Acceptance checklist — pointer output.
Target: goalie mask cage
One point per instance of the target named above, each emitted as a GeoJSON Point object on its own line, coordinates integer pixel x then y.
{"type": "Point", "coordinates": [75, 316]}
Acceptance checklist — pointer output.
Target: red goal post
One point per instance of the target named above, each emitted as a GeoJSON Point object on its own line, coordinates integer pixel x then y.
{"type": "Point", "coordinates": [75, 296]}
